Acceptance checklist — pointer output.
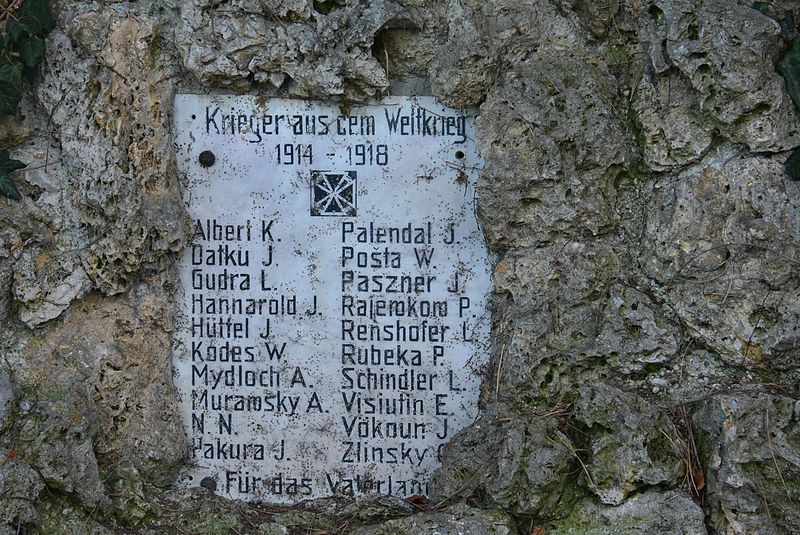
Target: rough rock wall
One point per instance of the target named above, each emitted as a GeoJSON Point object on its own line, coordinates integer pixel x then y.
{"type": "Point", "coordinates": [645, 361]}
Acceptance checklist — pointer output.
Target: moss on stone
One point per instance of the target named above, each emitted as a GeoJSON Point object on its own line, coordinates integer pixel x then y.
{"type": "Point", "coordinates": [61, 515]}
{"type": "Point", "coordinates": [305, 520]}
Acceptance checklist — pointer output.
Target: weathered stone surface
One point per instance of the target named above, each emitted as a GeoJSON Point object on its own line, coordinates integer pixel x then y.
{"type": "Point", "coordinates": [117, 209]}
{"type": "Point", "coordinates": [456, 520]}
{"type": "Point", "coordinates": [117, 368]}
{"type": "Point", "coordinates": [636, 332]}
{"type": "Point", "coordinates": [554, 144]}
{"type": "Point", "coordinates": [61, 451]}
{"type": "Point", "coordinates": [287, 45]}
{"type": "Point", "coordinates": [46, 287]}
{"type": "Point", "coordinates": [375, 509]}
{"type": "Point", "coordinates": [727, 52]}
{"type": "Point", "coordinates": [596, 17]}
{"type": "Point", "coordinates": [722, 246]}
{"type": "Point", "coordinates": [674, 131]}
{"type": "Point", "coordinates": [272, 528]}
{"type": "Point", "coordinates": [633, 190]}
{"type": "Point", "coordinates": [631, 445]}
{"type": "Point", "coordinates": [11, 247]}
{"type": "Point", "coordinates": [198, 511]}
{"type": "Point", "coordinates": [57, 518]}
{"type": "Point", "coordinates": [750, 447]}
{"type": "Point", "coordinates": [20, 486]}
{"type": "Point", "coordinates": [667, 513]}
{"type": "Point", "coordinates": [13, 132]}
{"type": "Point", "coordinates": [306, 521]}
{"type": "Point", "coordinates": [545, 356]}
{"type": "Point", "coordinates": [514, 462]}
{"type": "Point", "coordinates": [97, 415]}
{"type": "Point", "coordinates": [484, 38]}
{"type": "Point", "coordinates": [6, 396]}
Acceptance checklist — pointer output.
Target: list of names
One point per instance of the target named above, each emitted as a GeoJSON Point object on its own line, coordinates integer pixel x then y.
{"type": "Point", "coordinates": [332, 316]}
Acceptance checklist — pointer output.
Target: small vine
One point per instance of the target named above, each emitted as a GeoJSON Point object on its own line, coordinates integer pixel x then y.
{"type": "Point", "coordinates": [25, 24]}
{"type": "Point", "coordinates": [788, 66]}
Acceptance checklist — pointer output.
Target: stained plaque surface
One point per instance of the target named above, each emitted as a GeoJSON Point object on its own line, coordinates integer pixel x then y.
{"type": "Point", "coordinates": [332, 312]}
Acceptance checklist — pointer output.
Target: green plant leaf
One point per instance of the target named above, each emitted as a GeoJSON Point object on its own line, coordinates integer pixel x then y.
{"type": "Point", "coordinates": [789, 67]}
{"type": "Point", "coordinates": [31, 50]}
{"type": "Point", "coordinates": [7, 165]}
{"type": "Point", "coordinates": [787, 23]}
{"type": "Point", "coordinates": [8, 188]}
{"type": "Point", "coordinates": [763, 7]}
{"type": "Point", "coordinates": [37, 16]}
{"type": "Point", "coordinates": [792, 165]}
{"type": "Point", "coordinates": [15, 30]}
{"type": "Point", "coordinates": [11, 72]}
{"type": "Point", "coordinates": [22, 48]}
{"type": "Point", "coordinates": [29, 74]}
{"type": "Point", "coordinates": [9, 98]}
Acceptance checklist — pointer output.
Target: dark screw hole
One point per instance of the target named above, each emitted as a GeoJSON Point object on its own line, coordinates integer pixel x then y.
{"type": "Point", "coordinates": [459, 154]}
{"type": "Point", "coordinates": [194, 116]}
{"type": "Point", "coordinates": [207, 158]}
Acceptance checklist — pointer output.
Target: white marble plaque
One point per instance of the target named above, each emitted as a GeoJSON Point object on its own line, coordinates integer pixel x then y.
{"type": "Point", "coordinates": [332, 329]}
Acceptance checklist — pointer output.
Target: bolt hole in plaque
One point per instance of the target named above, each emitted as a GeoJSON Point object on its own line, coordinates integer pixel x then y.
{"type": "Point", "coordinates": [206, 158]}
{"type": "Point", "coordinates": [332, 320]}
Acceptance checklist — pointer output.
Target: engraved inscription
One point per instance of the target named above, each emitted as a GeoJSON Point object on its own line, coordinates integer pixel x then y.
{"type": "Point", "coordinates": [332, 314]}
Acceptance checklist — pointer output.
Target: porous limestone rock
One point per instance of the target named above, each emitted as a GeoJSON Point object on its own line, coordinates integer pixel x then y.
{"type": "Point", "coordinates": [721, 243]}
{"type": "Point", "coordinates": [608, 213]}
{"type": "Point", "coordinates": [97, 416]}
{"type": "Point", "coordinates": [750, 449]}
{"type": "Point", "coordinates": [62, 451]}
{"type": "Point", "coordinates": [673, 128]}
{"type": "Point", "coordinates": [111, 355]}
{"type": "Point", "coordinates": [272, 528]}
{"type": "Point", "coordinates": [117, 206]}
{"type": "Point", "coordinates": [374, 509]}
{"type": "Point", "coordinates": [6, 396]}
{"type": "Point", "coordinates": [665, 513]}
{"type": "Point", "coordinates": [727, 52]}
{"type": "Point", "coordinates": [485, 38]}
{"type": "Point", "coordinates": [631, 444]}
{"type": "Point", "coordinates": [554, 143]}
{"type": "Point", "coordinates": [10, 246]}
{"type": "Point", "coordinates": [288, 44]}
{"type": "Point", "coordinates": [456, 520]}
{"type": "Point", "coordinates": [633, 192]}
{"type": "Point", "coordinates": [519, 463]}
{"type": "Point", "coordinates": [20, 486]}
{"type": "Point", "coordinates": [551, 296]}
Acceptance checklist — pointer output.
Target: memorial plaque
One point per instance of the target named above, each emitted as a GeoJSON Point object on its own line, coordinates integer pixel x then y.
{"type": "Point", "coordinates": [332, 326]}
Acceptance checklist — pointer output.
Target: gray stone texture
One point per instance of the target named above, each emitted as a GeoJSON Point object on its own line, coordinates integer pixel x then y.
{"type": "Point", "coordinates": [631, 444]}
{"type": "Point", "coordinates": [750, 446]}
{"type": "Point", "coordinates": [520, 463]}
{"type": "Point", "coordinates": [456, 520]}
{"type": "Point", "coordinates": [647, 301]}
{"type": "Point", "coordinates": [665, 513]}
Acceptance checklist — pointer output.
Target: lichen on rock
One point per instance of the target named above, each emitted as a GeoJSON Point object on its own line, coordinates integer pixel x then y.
{"type": "Point", "coordinates": [508, 461]}
{"type": "Point", "coordinates": [667, 513]}
{"type": "Point", "coordinates": [633, 192]}
{"type": "Point", "coordinates": [631, 445]}
{"type": "Point", "coordinates": [749, 446]}
{"type": "Point", "coordinates": [456, 520]}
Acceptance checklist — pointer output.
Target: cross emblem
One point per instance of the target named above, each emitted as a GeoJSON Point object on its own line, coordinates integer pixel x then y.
{"type": "Point", "coordinates": [333, 193]}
